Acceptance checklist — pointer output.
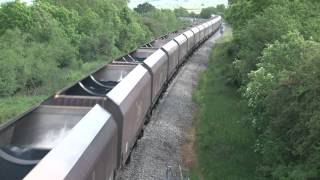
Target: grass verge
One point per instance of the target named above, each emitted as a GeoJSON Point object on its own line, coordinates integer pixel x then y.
{"type": "Point", "coordinates": [12, 106]}
{"type": "Point", "coordinates": [224, 143]}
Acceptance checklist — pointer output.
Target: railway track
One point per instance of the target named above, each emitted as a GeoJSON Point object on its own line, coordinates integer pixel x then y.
{"type": "Point", "coordinates": [87, 130]}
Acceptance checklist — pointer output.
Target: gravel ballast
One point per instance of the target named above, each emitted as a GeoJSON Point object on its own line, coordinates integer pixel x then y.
{"type": "Point", "coordinates": [163, 137]}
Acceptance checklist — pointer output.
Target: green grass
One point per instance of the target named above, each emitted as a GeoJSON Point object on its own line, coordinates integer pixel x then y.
{"type": "Point", "coordinates": [224, 143]}
{"type": "Point", "coordinates": [12, 106]}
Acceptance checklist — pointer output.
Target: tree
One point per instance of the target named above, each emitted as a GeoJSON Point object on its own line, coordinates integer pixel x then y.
{"type": "Point", "coordinates": [43, 42]}
{"type": "Point", "coordinates": [283, 93]}
{"type": "Point", "coordinates": [239, 13]}
{"type": "Point", "coordinates": [193, 15]}
{"type": "Point", "coordinates": [207, 12]}
{"type": "Point", "coordinates": [181, 12]}
{"type": "Point", "coordinates": [274, 22]}
{"type": "Point", "coordinates": [15, 14]}
{"type": "Point", "coordinates": [230, 2]}
{"type": "Point", "coordinates": [278, 65]}
{"type": "Point", "coordinates": [144, 8]}
{"type": "Point", "coordinates": [221, 8]}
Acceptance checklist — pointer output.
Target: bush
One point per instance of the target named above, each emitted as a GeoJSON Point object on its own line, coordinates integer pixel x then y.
{"type": "Point", "coordinates": [31, 63]}
{"type": "Point", "coordinates": [15, 15]}
{"type": "Point", "coordinates": [49, 44]}
{"type": "Point", "coordinates": [283, 93]}
{"type": "Point", "coordinates": [181, 12]}
{"type": "Point", "coordinates": [144, 8]}
{"type": "Point", "coordinates": [162, 21]}
{"type": "Point", "coordinates": [273, 22]}
{"type": "Point", "coordinates": [278, 65]}
{"type": "Point", "coordinates": [8, 79]}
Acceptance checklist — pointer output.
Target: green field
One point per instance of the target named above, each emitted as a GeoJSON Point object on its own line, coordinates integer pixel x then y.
{"type": "Point", "coordinates": [224, 144]}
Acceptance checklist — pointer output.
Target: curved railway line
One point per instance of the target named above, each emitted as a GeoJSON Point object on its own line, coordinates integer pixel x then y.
{"type": "Point", "coordinates": [87, 130]}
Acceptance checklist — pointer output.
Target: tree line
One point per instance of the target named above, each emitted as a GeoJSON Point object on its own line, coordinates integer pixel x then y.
{"type": "Point", "coordinates": [48, 43]}
{"type": "Point", "coordinates": [276, 52]}
{"type": "Point", "coordinates": [183, 12]}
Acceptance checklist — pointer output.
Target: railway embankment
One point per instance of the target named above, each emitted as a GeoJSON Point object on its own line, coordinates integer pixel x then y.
{"type": "Point", "coordinates": [223, 143]}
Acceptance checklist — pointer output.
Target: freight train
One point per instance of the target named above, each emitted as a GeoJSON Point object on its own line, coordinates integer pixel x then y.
{"type": "Point", "coordinates": [87, 130]}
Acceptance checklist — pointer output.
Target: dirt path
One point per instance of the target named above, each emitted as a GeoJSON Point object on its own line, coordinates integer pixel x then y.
{"type": "Point", "coordinates": [166, 139]}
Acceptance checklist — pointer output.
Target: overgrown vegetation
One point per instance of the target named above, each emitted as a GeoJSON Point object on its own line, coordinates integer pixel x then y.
{"type": "Point", "coordinates": [11, 106]}
{"type": "Point", "coordinates": [207, 12]}
{"type": "Point", "coordinates": [276, 66]}
{"type": "Point", "coordinates": [224, 143]}
{"type": "Point", "coordinates": [46, 45]}
{"type": "Point", "coordinates": [159, 21]}
{"type": "Point", "coordinates": [182, 12]}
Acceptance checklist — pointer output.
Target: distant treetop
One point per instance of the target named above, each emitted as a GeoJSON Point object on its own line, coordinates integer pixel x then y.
{"type": "Point", "coordinates": [207, 12]}
{"type": "Point", "coordinates": [144, 8]}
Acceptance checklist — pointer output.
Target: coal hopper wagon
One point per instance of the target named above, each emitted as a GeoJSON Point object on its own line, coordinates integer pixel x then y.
{"type": "Point", "coordinates": [86, 131]}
